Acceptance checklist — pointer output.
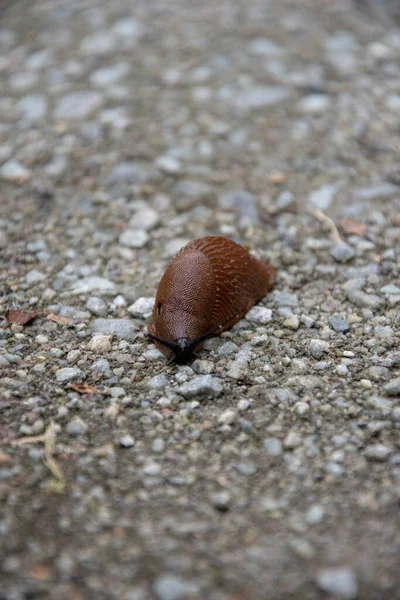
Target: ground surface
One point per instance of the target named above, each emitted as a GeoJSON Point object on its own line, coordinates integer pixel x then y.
{"type": "Point", "coordinates": [269, 469]}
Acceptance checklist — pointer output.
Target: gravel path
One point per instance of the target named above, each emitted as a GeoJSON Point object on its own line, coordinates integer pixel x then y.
{"type": "Point", "coordinates": [269, 468]}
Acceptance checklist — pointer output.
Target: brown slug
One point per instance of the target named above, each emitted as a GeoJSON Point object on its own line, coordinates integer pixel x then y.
{"type": "Point", "coordinates": [208, 287]}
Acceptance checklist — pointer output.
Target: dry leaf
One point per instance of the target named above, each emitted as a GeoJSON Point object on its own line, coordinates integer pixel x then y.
{"type": "Point", "coordinates": [352, 227]}
{"type": "Point", "coordinates": [276, 177]}
{"type": "Point", "coordinates": [57, 319]}
{"type": "Point", "coordinates": [40, 572]}
{"type": "Point", "coordinates": [19, 317]}
{"type": "Point", "coordinates": [83, 389]}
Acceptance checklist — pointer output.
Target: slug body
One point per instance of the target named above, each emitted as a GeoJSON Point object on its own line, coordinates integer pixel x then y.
{"type": "Point", "coordinates": [208, 287]}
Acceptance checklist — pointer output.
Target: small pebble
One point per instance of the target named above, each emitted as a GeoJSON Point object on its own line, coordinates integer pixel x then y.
{"type": "Point", "coordinates": [126, 441]}
{"type": "Point", "coordinates": [393, 387]}
{"type": "Point", "coordinates": [273, 446]}
{"type": "Point", "coordinates": [134, 238]}
{"type": "Point", "coordinates": [77, 426]}
{"type": "Point", "coordinates": [340, 582]}
{"type": "Point", "coordinates": [97, 306]}
{"type": "Point", "coordinates": [318, 348]}
{"type": "Point", "coordinates": [68, 374]}
{"type": "Point", "coordinates": [292, 322]}
{"type": "Point", "coordinates": [227, 417]}
{"type": "Point", "coordinates": [377, 452]}
{"type": "Point", "coordinates": [202, 385]}
{"type": "Point", "coordinates": [259, 315]}
{"type": "Point", "coordinates": [99, 344]}
{"type": "Point", "coordinates": [142, 308]}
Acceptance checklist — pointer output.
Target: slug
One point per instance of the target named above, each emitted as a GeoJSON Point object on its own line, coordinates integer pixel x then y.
{"type": "Point", "coordinates": [208, 287]}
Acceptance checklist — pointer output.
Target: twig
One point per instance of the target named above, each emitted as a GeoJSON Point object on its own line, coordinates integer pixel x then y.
{"type": "Point", "coordinates": [49, 449]}
{"type": "Point", "coordinates": [49, 439]}
{"type": "Point", "coordinates": [318, 214]}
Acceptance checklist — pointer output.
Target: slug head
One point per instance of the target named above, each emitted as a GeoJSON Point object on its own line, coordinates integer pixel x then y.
{"type": "Point", "coordinates": [184, 349]}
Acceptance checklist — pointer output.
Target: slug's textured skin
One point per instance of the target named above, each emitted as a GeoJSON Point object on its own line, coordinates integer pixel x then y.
{"type": "Point", "coordinates": [209, 286]}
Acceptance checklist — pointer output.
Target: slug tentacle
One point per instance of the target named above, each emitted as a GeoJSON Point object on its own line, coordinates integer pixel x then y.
{"type": "Point", "coordinates": [207, 288]}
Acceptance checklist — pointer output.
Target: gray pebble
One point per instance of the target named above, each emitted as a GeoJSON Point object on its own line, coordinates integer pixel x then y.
{"type": "Point", "coordinates": [203, 366]}
{"type": "Point", "coordinates": [318, 348]}
{"type": "Point", "coordinates": [32, 108]}
{"type": "Point", "coordinates": [292, 440]}
{"type": "Point", "coordinates": [221, 500]}
{"type": "Point", "coordinates": [128, 172]}
{"type": "Point", "coordinates": [77, 426]}
{"type": "Point", "coordinates": [315, 103]}
{"type": "Point", "coordinates": [109, 75]}
{"type": "Point", "coordinates": [99, 43]}
{"type": "Point", "coordinates": [97, 306]}
{"type": "Point", "coordinates": [259, 315]}
{"type": "Point", "coordinates": [142, 308]}
{"type": "Point", "coordinates": [260, 96]}
{"type": "Point", "coordinates": [68, 373]}
{"type": "Point", "coordinates": [102, 366]}
{"type": "Point", "coordinates": [93, 284]}
{"type": "Point", "coordinates": [285, 299]}
{"type": "Point", "coordinates": [340, 582]}
{"type": "Point", "coordinates": [273, 446]}
{"type": "Point", "coordinates": [73, 356]}
{"type": "Point", "coordinates": [146, 219]}
{"type": "Point", "coordinates": [343, 252]}
{"type": "Point", "coordinates": [134, 238]}
{"type": "Point", "coordinates": [158, 382]}
{"type": "Point", "coordinates": [315, 514]}
{"type": "Point", "coordinates": [393, 387]}
{"type": "Point", "coordinates": [390, 289]}
{"type": "Point", "coordinates": [169, 164]}
{"type": "Point", "coordinates": [127, 441]}
{"type": "Point", "coordinates": [158, 445]}
{"type": "Point", "coordinates": [122, 328]}
{"type": "Point", "coordinates": [78, 105]}
{"type": "Point", "coordinates": [193, 189]}
{"type": "Point", "coordinates": [246, 468]}
{"type": "Point", "coordinates": [34, 276]}
{"type": "Point", "coordinates": [13, 171]}
{"type": "Point", "coordinates": [241, 201]}
{"type": "Point", "coordinates": [360, 298]}
{"type": "Point", "coordinates": [323, 196]}
{"type": "Point", "coordinates": [377, 452]}
{"type": "Point", "coordinates": [264, 47]}
{"type": "Point", "coordinates": [339, 325]}
{"type": "Point", "coordinates": [228, 348]}
{"type": "Point", "coordinates": [202, 385]}
{"type": "Point", "coordinates": [173, 587]}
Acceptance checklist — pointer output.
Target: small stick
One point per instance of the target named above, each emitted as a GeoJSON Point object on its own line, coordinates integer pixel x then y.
{"type": "Point", "coordinates": [318, 214]}
{"type": "Point", "coordinates": [49, 439]}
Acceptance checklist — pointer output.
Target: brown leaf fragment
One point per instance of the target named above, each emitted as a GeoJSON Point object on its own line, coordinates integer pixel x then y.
{"type": "Point", "coordinates": [19, 317]}
{"type": "Point", "coordinates": [352, 227]}
{"type": "Point", "coordinates": [40, 572]}
{"type": "Point", "coordinates": [83, 389]}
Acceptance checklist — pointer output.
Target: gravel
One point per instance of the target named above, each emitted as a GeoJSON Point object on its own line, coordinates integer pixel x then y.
{"type": "Point", "coordinates": [272, 461]}
{"type": "Point", "coordinates": [78, 105]}
{"type": "Point", "coordinates": [122, 328]}
{"type": "Point", "coordinates": [341, 582]}
{"type": "Point", "coordinates": [343, 253]}
{"type": "Point", "coordinates": [77, 427]}
{"type": "Point", "coordinates": [393, 387]}
{"type": "Point", "coordinates": [68, 374]}
{"type": "Point", "coordinates": [201, 386]}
